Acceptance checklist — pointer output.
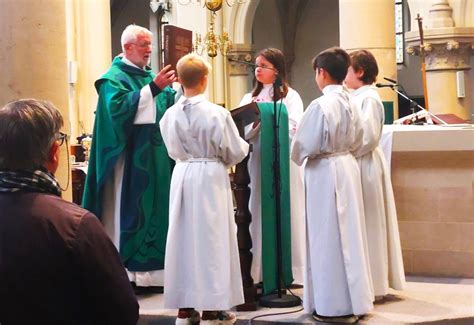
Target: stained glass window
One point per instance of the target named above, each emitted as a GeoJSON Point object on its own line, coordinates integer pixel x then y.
{"type": "Point", "coordinates": [399, 38]}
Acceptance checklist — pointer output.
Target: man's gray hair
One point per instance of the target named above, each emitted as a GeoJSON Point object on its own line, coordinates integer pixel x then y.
{"type": "Point", "coordinates": [28, 128]}
{"type": "Point", "coordinates": [130, 33]}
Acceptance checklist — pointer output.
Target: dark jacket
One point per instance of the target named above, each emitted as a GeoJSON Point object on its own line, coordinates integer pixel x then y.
{"type": "Point", "coordinates": [57, 265]}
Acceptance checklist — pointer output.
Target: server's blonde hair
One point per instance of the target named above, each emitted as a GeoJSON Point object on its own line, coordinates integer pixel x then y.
{"type": "Point", "coordinates": [191, 68]}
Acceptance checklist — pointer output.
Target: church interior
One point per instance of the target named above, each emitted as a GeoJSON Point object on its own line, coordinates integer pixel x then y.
{"type": "Point", "coordinates": [56, 49]}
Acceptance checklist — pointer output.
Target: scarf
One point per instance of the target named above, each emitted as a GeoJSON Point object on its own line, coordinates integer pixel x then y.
{"type": "Point", "coordinates": [39, 180]}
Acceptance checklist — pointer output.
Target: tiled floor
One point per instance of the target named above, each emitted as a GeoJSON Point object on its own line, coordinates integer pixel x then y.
{"type": "Point", "coordinates": [425, 300]}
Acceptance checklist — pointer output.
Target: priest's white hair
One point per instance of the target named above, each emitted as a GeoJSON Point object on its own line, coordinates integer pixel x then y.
{"type": "Point", "coordinates": [130, 33]}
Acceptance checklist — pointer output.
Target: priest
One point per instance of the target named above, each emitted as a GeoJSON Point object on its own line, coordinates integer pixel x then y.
{"type": "Point", "coordinates": [127, 184]}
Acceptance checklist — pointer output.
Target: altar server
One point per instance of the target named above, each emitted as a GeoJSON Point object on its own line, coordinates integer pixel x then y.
{"type": "Point", "coordinates": [202, 268]}
{"type": "Point", "coordinates": [383, 238]}
{"type": "Point", "coordinates": [337, 280]}
{"type": "Point", "coordinates": [270, 66]}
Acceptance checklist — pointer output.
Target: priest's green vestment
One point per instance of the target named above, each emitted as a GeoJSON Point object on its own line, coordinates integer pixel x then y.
{"type": "Point", "coordinates": [147, 170]}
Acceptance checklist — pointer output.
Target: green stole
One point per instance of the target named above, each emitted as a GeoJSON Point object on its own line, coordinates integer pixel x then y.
{"type": "Point", "coordinates": [147, 171]}
{"type": "Point", "coordinates": [268, 213]}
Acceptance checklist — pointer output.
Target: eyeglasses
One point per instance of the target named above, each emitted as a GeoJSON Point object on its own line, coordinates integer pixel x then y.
{"type": "Point", "coordinates": [61, 138]}
{"type": "Point", "coordinates": [144, 45]}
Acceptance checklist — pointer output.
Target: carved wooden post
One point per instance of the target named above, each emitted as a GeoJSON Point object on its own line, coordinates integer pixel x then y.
{"type": "Point", "coordinates": [240, 183]}
{"type": "Point", "coordinates": [243, 219]}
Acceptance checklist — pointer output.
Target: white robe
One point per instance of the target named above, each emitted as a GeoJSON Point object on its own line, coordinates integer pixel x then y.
{"type": "Point", "coordinates": [383, 237]}
{"type": "Point", "coordinates": [294, 106]}
{"type": "Point", "coordinates": [202, 267]}
{"type": "Point", "coordinates": [336, 279]}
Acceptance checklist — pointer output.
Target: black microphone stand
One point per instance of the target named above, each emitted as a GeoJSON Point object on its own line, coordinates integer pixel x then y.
{"type": "Point", "coordinates": [414, 104]}
{"type": "Point", "coordinates": [280, 299]}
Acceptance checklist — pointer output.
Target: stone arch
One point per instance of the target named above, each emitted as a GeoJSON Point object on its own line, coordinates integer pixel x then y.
{"type": "Point", "coordinates": [241, 22]}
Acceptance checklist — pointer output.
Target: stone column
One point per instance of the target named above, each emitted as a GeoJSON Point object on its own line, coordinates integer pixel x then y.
{"type": "Point", "coordinates": [370, 25]}
{"type": "Point", "coordinates": [237, 74]}
{"type": "Point", "coordinates": [239, 21]}
{"type": "Point", "coordinates": [91, 40]}
{"type": "Point", "coordinates": [448, 50]}
{"type": "Point", "coordinates": [34, 59]}
{"type": "Point", "coordinates": [50, 52]}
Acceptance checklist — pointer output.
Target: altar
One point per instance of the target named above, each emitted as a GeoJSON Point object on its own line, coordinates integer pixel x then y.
{"type": "Point", "coordinates": [432, 170]}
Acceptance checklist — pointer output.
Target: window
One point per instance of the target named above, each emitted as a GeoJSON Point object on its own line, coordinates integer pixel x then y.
{"type": "Point", "coordinates": [399, 35]}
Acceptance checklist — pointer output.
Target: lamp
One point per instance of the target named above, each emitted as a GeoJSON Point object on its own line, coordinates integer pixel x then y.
{"type": "Point", "coordinates": [212, 3]}
{"type": "Point", "coordinates": [212, 43]}
{"type": "Point", "coordinates": [160, 5]}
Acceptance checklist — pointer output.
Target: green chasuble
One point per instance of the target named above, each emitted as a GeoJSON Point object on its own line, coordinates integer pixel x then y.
{"type": "Point", "coordinates": [269, 226]}
{"type": "Point", "coordinates": [147, 170]}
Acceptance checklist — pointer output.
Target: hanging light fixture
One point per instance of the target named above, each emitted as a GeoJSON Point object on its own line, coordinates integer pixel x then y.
{"type": "Point", "coordinates": [211, 3]}
{"type": "Point", "coordinates": [212, 43]}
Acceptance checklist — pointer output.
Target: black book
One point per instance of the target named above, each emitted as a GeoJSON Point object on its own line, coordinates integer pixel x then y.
{"type": "Point", "coordinates": [246, 114]}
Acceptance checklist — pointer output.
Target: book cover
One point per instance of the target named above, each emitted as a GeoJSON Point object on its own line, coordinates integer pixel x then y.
{"type": "Point", "coordinates": [246, 114]}
{"type": "Point", "coordinates": [177, 43]}
{"type": "Point", "coordinates": [449, 119]}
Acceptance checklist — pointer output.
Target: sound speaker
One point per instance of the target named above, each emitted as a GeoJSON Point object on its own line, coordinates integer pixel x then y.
{"type": "Point", "coordinates": [460, 85]}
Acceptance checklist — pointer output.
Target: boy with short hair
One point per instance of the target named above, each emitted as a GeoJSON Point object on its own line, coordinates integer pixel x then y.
{"type": "Point", "coordinates": [337, 279]}
{"type": "Point", "coordinates": [202, 268]}
{"type": "Point", "coordinates": [384, 247]}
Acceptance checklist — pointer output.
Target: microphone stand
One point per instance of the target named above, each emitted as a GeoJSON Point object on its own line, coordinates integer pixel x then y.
{"type": "Point", "coordinates": [414, 105]}
{"type": "Point", "coordinates": [280, 299]}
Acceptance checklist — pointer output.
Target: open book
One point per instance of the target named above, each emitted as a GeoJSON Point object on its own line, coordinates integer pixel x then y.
{"type": "Point", "coordinates": [245, 115]}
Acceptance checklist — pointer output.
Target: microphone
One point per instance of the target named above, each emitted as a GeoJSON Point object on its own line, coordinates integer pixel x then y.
{"type": "Point", "coordinates": [244, 62]}
{"type": "Point", "coordinates": [391, 80]}
{"type": "Point", "coordinates": [379, 85]}
{"type": "Point", "coordinates": [250, 64]}
{"type": "Point", "coordinates": [278, 83]}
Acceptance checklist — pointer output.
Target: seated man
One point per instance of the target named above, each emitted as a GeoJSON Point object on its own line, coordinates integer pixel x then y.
{"type": "Point", "coordinates": [57, 265]}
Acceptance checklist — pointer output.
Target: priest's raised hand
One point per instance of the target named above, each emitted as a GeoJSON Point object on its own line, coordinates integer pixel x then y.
{"type": "Point", "coordinates": [165, 77]}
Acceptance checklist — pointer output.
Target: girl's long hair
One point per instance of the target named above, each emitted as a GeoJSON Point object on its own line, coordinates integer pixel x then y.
{"type": "Point", "coordinates": [275, 57]}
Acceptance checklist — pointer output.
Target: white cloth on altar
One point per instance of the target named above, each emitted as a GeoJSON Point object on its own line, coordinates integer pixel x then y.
{"type": "Point", "coordinates": [337, 278]}
{"type": "Point", "coordinates": [202, 267]}
{"type": "Point", "coordinates": [383, 237]}
{"type": "Point", "coordinates": [146, 114]}
{"type": "Point", "coordinates": [294, 106]}
{"type": "Point", "coordinates": [386, 143]}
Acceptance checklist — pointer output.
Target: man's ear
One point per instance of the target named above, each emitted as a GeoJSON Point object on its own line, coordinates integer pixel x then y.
{"type": "Point", "coordinates": [323, 73]}
{"type": "Point", "coordinates": [203, 80]}
{"type": "Point", "coordinates": [52, 160]}
{"type": "Point", "coordinates": [126, 48]}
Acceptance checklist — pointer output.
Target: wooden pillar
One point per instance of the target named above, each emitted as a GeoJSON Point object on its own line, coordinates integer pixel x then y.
{"type": "Point", "coordinates": [243, 218]}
